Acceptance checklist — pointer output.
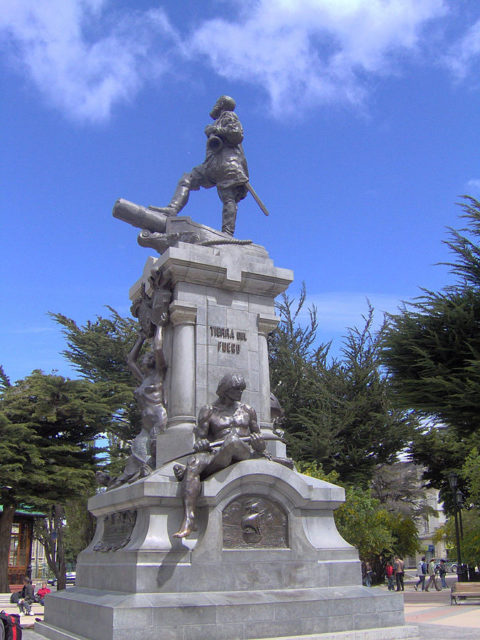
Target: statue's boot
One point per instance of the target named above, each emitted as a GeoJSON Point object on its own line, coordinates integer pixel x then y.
{"type": "Point", "coordinates": [179, 199]}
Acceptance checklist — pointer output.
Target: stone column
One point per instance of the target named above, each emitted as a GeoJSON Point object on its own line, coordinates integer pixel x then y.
{"type": "Point", "coordinates": [265, 326]}
{"type": "Point", "coordinates": [178, 437]}
{"type": "Point", "coordinates": [181, 407]}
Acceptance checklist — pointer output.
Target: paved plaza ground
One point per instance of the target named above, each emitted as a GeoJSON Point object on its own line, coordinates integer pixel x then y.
{"type": "Point", "coordinates": [431, 611]}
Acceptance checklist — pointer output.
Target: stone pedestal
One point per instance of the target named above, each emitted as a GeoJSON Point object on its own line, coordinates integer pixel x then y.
{"type": "Point", "coordinates": [221, 313]}
{"type": "Point", "coordinates": [266, 561]}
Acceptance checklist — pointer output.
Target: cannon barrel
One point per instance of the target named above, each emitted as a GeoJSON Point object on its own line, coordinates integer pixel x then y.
{"type": "Point", "coordinates": [138, 216]}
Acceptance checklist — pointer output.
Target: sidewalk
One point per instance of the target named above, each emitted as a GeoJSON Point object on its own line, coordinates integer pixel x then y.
{"type": "Point", "coordinates": [434, 615]}
{"type": "Point", "coordinates": [27, 622]}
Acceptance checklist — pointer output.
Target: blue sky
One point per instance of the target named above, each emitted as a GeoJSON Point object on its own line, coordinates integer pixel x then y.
{"type": "Point", "coordinates": [361, 120]}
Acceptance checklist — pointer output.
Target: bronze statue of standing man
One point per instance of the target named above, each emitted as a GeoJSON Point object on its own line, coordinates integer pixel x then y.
{"type": "Point", "coordinates": [224, 167]}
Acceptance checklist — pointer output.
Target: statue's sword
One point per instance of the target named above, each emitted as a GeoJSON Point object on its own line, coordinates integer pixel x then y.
{"type": "Point", "coordinates": [218, 443]}
{"type": "Point", "coordinates": [257, 199]}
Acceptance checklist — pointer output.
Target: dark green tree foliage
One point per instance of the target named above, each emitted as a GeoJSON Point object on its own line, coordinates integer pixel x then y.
{"type": "Point", "coordinates": [440, 451]}
{"type": "Point", "coordinates": [378, 534]}
{"type": "Point", "coordinates": [294, 366]}
{"type": "Point", "coordinates": [337, 412]}
{"type": "Point", "coordinates": [79, 526]}
{"type": "Point", "coordinates": [369, 429]}
{"type": "Point", "coordinates": [432, 348]}
{"type": "Point", "coordinates": [471, 476]}
{"type": "Point", "coordinates": [98, 350]}
{"type": "Point", "coordinates": [48, 426]}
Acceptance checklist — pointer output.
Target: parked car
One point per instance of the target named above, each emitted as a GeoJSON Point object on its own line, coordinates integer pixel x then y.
{"type": "Point", "coordinates": [70, 576]}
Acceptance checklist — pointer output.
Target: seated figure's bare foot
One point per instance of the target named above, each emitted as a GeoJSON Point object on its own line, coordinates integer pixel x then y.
{"type": "Point", "coordinates": [185, 530]}
{"type": "Point", "coordinates": [179, 471]}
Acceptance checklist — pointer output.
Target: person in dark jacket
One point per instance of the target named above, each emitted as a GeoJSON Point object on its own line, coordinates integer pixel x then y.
{"type": "Point", "coordinates": [442, 572]}
{"type": "Point", "coordinates": [27, 597]}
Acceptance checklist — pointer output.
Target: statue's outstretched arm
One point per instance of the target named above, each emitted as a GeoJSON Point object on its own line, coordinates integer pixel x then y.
{"type": "Point", "coordinates": [133, 358]}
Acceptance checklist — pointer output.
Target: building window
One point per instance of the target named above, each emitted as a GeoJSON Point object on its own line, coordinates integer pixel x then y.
{"type": "Point", "coordinates": [13, 559]}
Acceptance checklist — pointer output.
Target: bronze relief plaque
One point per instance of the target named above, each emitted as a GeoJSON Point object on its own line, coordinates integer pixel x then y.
{"type": "Point", "coordinates": [117, 530]}
{"type": "Point", "coordinates": [254, 522]}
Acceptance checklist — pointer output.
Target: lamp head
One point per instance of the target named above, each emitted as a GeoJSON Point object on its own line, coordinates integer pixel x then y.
{"type": "Point", "coordinates": [453, 480]}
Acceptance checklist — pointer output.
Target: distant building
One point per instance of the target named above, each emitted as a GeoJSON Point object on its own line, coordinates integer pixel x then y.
{"type": "Point", "coordinates": [22, 544]}
{"type": "Point", "coordinates": [427, 528]}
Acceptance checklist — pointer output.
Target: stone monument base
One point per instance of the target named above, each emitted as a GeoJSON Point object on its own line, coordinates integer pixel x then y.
{"type": "Point", "coordinates": [266, 562]}
{"type": "Point", "coordinates": [291, 613]}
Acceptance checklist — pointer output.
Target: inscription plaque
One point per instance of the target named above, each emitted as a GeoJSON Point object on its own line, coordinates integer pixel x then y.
{"type": "Point", "coordinates": [229, 340]}
{"type": "Point", "coordinates": [117, 530]}
{"type": "Point", "coordinates": [254, 522]}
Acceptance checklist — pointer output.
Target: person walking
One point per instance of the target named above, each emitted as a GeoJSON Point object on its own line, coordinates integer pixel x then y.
{"type": "Point", "coordinates": [432, 576]}
{"type": "Point", "coordinates": [442, 571]}
{"type": "Point", "coordinates": [421, 573]}
{"type": "Point", "coordinates": [399, 567]}
{"type": "Point", "coordinates": [389, 574]}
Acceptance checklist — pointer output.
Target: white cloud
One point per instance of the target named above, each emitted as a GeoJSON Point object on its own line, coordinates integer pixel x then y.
{"type": "Point", "coordinates": [465, 52]}
{"type": "Point", "coordinates": [85, 56]}
{"type": "Point", "coordinates": [81, 73]}
{"type": "Point", "coordinates": [306, 52]}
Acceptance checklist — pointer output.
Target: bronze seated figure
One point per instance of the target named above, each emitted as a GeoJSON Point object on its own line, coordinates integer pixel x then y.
{"type": "Point", "coordinates": [227, 432]}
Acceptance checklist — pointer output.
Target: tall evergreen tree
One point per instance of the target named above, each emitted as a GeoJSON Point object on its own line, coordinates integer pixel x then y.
{"type": "Point", "coordinates": [295, 361]}
{"type": "Point", "coordinates": [48, 427]}
{"type": "Point", "coordinates": [98, 350]}
{"type": "Point", "coordinates": [432, 351]}
{"type": "Point", "coordinates": [432, 348]}
{"type": "Point", "coordinates": [338, 411]}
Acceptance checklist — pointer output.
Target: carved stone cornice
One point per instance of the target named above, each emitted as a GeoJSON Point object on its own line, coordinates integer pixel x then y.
{"type": "Point", "coordinates": [182, 314]}
{"type": "Point", "coordinates": [266, 325]}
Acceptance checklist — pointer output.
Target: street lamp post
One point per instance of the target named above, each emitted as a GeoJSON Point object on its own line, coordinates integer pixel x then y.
{"type": "Point", "coordinates": [460, 504]}
{"type": "Point", "coordinates": [453, 481]}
